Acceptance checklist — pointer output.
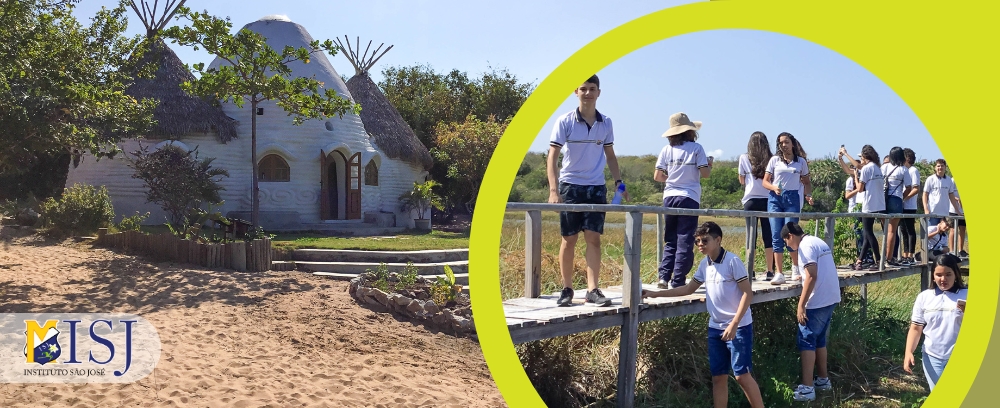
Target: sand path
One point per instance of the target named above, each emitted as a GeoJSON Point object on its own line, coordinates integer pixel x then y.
{"type": "Point", "coordinates": [281, 339]}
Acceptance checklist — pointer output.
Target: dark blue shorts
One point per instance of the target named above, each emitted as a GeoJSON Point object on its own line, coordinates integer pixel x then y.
{"type": "Point", "coordinates": [958, 223]}
{"type": "Point", "coordinates": [571, 223]}
{"type": "Point", "coordinates": [813, 335]}
{"type": "Point", "coordinates": [734, 355]}
{"type": "Point", "coordinates": [893, 205]}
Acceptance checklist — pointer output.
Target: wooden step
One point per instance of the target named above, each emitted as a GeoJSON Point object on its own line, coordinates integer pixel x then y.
{"type": "Point", "coordinates": [339, 255]}
{"type": "Point", "coordinates": [460, 278]}
{"type": "Point", "coordinates": [432, 268]}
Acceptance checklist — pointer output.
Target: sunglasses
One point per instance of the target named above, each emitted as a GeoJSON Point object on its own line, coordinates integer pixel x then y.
{"type": "Point", "coordinates": [699, 241]}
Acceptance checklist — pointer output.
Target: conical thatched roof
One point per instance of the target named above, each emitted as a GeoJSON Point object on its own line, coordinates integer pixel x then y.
{"type": "Point", "coordinates": [178, 113]}
{"type": "Point", "coordinates": [385, 124]}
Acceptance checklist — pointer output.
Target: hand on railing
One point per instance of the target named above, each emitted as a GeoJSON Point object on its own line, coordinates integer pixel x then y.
{"type": "Point", "coordinates": [554, 197]}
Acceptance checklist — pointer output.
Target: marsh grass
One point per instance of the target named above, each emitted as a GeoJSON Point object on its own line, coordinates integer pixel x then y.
{"type": "Point", "coordinates": [865, 357]}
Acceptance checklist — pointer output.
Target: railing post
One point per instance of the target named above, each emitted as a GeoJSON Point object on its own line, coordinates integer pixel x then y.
{"type": "Point", "coordinates": [816, 234]}
{"type": "Point", "coordinates": [632, 299]}
{"type": "Point", "coordinates": [660, 221]}
{"type": "Point", "coordinates": [885, 237]}
{"type": "Point", "coordinates": [752, 247]}
{"type": "Point", "coordinates": [829, 233]}
{"type": "Point", "coordinates": [955, 233]}
{"type": "Point", "coordinates": [532, 254]}
{"type": "Point", "coordinates": [924, 254]}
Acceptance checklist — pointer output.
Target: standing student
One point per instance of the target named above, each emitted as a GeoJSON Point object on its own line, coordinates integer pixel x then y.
{"type": "Point", "coordinates": [897, 185]}
{"type": "Point", "coordinates": [908, 225]}
{"type": "Point", "coordinates": [820, 296]}
{"type": "Point", "coordinates": [786, 172]}
{"type": "Point", "coordinates": [752, 166]}
{"type": "Point", "coordinates": [855, 199]}
{"type": "Point", "coordinates": [586, 139]}
{"type": "Point", "coordinates": [955, 209]}
{"type": "Point", "coordinates": [730, 326]}
{"type": "Point", "coordinates": [870, 182]}
{"type": "Point", "coordinates": [681, 166]}
{"type": "Point", "coordinates": [937, 315]}
{"type": "Point", "coordinates": [939, 193]}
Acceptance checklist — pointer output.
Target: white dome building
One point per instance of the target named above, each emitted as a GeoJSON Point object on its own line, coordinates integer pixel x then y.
{"type": "Point", "coordinates": [338, 173]}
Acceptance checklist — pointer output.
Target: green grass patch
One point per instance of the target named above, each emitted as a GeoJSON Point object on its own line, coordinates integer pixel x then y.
{"type": "Point", "coordinates": [404, 241]}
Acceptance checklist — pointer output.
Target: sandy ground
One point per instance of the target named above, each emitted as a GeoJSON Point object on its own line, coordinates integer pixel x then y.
{"type": "Point", "coordinates": [281, 339]}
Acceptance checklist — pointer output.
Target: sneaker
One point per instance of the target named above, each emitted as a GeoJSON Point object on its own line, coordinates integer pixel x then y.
{"type": "Point", "coordinates": [822, 384]}
{"type": "Point", "coordinates": [663, 284]}
{"type": "Point", "coordinates": [779, 279]}
{"type": "Point", "coordinates": [873, 266]}
{"type": "Point", "coordinates": [963, 254]}
{"type": "Point", "coordinates": [804, 393]}
{"type": "Point", "coordinates": [566, 297]}
{"type": "Point", "coordinates": [893, 262]}
{"type": "Point", "coordinates": [769, 276]}
{"type": "Point", "coordinates": [796, 273]}
{"type": "Point", "coordinates": [597, 298]}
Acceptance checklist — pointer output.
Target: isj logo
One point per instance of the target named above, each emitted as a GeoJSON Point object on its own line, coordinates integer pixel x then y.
{"type": "Point", "coordinates": [76, 348]}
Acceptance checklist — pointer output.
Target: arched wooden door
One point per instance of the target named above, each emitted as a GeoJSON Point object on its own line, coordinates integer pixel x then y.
{"type": "Point", "coordinates": [354, 187]}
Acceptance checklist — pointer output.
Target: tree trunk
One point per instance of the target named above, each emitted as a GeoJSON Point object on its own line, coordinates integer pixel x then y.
{"type": "Point", "coordinates": [255, 212]}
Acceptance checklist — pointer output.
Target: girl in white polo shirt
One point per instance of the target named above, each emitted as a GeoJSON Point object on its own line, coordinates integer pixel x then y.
{"type": "Point", "coordinates": [786, 173]}
{"type": "Point", "coordinates": [681, 166]}
{"type": "Point", "coordinates": [897, 185]}
{"type": "Point", "coordinates": [870, 182]}
{"type": "Point", "coordinates": [908, 228]}
{"type": "Point", "coordinates": [937, 315]}
{"type": "Point", "coordinates": [752, 166]}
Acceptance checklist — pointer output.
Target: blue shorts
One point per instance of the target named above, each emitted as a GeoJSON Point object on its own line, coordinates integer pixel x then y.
{"type": "Point", "coordinates": [813, 335]}
{"type": "Point", "coordinates": [734, 355]}
{"type": "Point", "coordinates": [572, 223]}
{"type": "Point", "coordinates": [893, 205]}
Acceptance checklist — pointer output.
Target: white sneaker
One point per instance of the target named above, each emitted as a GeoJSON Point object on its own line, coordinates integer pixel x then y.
{"type": "Point", "coordinates": [822, 384]}
{"type": "Point", "coordinates": [804, 393]}
{"type": "Point", "coordinates": [796, 273]}
{"type": "Point", "coordinates": [779, 279]}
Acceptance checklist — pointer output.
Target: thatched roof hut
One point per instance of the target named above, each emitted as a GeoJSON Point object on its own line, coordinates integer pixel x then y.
{"type": "Point", "coordinates": [178, 113]}
{"type": "Point", "coordinates": [391, 133]}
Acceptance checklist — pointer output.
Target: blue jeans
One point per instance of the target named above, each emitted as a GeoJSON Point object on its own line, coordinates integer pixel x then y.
{"type": "Point", "coordinates": [933, 367]}
{"type": "Point", "coordinates": [813, 335]}
{"type": "Point", "coordinates": [734, 354]}
{"type": "Point", "coordinates": [788, 201]}
{"type": "Point", "coordinates": [678, 241]}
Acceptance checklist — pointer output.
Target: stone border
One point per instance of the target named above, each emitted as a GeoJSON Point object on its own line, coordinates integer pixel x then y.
{"type": "Point", "coordinates": [459, 322]}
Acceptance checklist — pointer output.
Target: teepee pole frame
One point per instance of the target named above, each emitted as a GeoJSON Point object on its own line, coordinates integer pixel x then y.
{"type": "Point", "coordinates": [361, 62]}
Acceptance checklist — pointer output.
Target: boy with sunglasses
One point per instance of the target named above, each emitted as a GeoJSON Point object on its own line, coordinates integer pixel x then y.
{"type": "Point", "coordinates": [730, 330]}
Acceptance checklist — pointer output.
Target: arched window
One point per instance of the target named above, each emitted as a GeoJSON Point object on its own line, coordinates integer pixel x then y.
{"type": "Point", "coordinates": [273, 168]}
{"type": "Point", "coordinates": [371, 174]}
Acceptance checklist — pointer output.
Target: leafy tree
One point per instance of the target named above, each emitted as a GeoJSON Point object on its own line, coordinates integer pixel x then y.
{"type": "Point", "coordinates": [464, 149]}
{"type": "Point", "coordinates": [177, 180]}
{"type": "Point", "coordinates": [254, 73]}
{"type": "Point", "coordinates": [62, 87]}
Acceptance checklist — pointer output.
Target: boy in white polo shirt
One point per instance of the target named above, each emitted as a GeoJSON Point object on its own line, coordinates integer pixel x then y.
{"type": "Point", "coordinates": [728, 295]}
{"type": "Point", "coordinates": [939, 191]}
{"type": "Point", "coordinates": [586, 139]}
{"type": "Point", "coordinates": [820, 295]}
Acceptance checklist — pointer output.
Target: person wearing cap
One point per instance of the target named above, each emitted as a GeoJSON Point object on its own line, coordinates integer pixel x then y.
{"type": "Point", "coordinates": [820, 296]}
{"type": "Point", "coordinates": [586, 139]}
{"type": "Point", "coordinates": [870, 182]}
{"type": "Point", "coordinates": [728, 295]}
{"type": "Point", "coordinates": [937, 316]}
{"type": "Point", "coordinates": [681, 165]}
{"type": "Point", "coordinates": [786, 173]}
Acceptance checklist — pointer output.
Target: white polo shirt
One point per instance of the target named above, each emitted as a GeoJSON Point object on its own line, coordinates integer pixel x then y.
{"type": "Point", "coordinates": [720, 277]}
{"type": "Point", "coordinates": [814, 251]}
{"type": "Point", "coordinates": [682, 164]}
{"type": "Point", "coordinates": [937, 242]}
{"type": "Point", "coordinates": [938, 312]}
{"type": "Point", "coordinates": [848, 187]}
{"type": "Point", "coordinates": [582, 146]}
{"type": "Point", "coordinates": [911, 203]}
{"type": "Point", "coordinates": [897, 177]}
{"type": "Point", "coordinates": [874, 198]}
{"type": "Point", "coordinates": [937, 190]}
{"type": "Point", "coordinates": [754, 187]}
{"type": "Point", "coordinates": [788, 174]}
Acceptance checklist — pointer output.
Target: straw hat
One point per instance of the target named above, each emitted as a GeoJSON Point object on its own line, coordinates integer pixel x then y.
{"type": "Point", "coordinates": [679, 123]}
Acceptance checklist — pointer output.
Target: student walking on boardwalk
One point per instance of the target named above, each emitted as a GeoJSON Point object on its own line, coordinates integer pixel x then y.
{"type": "Point", "coordinates": [786, 173]}
{"type": "Point", "coordinates": [820, 295]}
{"type": "Point", "coordinates": [752, 165]}
{"type": "Point", "coordinates": [730, 326]}
{"type": "Point", "coordinates": [871, 183]}
{"type": "Point", "coordinates": [681, 166]}
{"type": "Point", "coordinates": [586, 139]}
{"type": "Point", "coordinates": [937, 315]}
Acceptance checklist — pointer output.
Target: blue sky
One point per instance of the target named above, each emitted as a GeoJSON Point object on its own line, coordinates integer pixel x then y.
{"type": "Point", "coordinates": [735, 81]}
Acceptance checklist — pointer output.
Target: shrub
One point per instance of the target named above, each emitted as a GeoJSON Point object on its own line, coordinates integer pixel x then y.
{"type": "Point", "coordinates": [132, 223]}
{"type": "Point", "coordinates": [81, 209]}
{"type": "Point", "coordinates": [177, 180]}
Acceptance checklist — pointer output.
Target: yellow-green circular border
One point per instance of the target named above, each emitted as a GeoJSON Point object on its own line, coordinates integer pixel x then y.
{"type": "Point", "coordinates": [937, 56]}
